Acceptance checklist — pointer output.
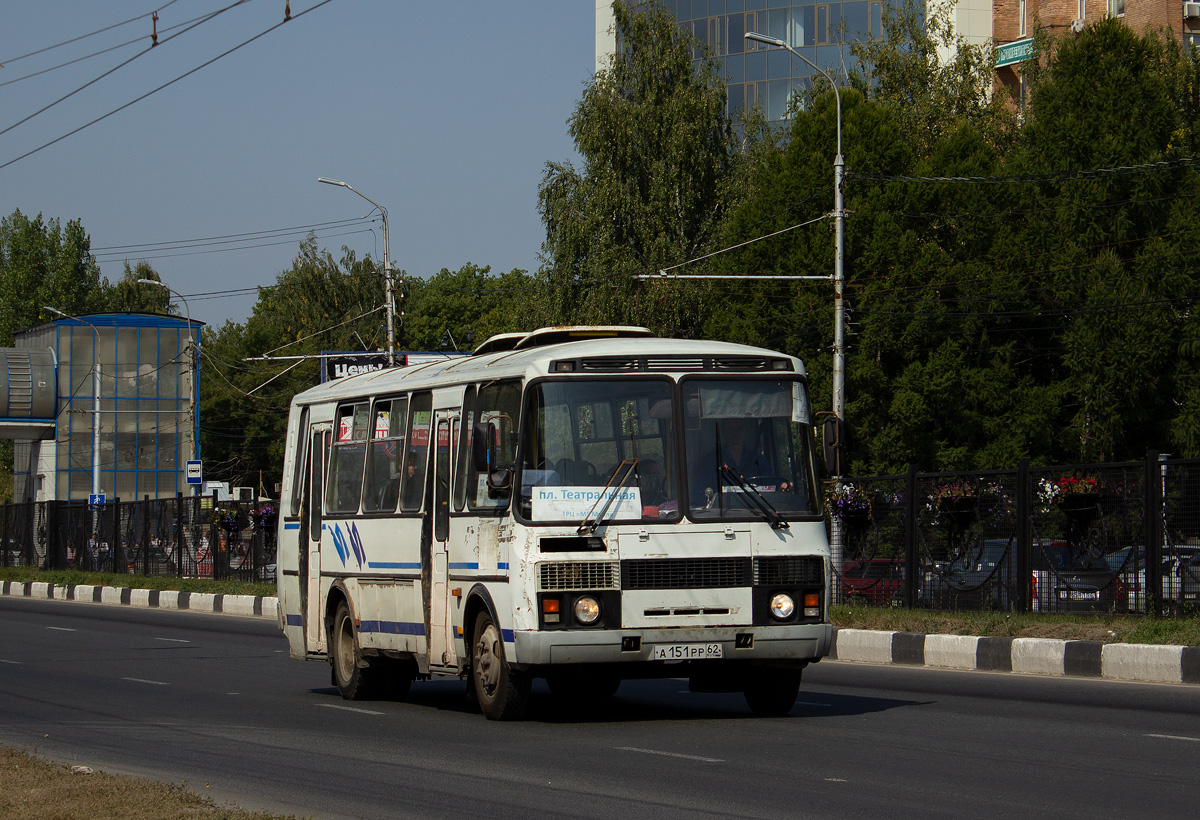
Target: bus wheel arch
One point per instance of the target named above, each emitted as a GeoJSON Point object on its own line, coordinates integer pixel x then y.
{"type": "Point", "coordinates": [501, 691]}
{"type": "Point", "coordinates": [355, 678]}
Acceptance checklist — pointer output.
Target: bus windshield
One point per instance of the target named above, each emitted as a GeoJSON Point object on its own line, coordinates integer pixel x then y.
{"type": "Point", "coordinates": [599, 450]}
{"type": "Point", "coordinates": [747, 444]}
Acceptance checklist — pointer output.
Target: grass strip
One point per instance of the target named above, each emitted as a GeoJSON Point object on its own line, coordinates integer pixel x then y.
{"type": "Point", "coordinates": [35, 788]}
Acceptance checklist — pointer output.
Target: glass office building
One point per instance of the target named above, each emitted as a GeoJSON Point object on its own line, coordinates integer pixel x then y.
{"type": "Point", "coordinates": [146, 402]}
{"type": "Point", "coordinates": [762, 75]}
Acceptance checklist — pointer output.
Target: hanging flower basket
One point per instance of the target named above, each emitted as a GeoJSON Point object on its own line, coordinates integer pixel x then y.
{"type": "Point", "coordinates": [851, 505]}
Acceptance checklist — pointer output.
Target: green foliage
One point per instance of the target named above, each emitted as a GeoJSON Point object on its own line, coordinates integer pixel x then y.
{"type": "Point", "coordinates": [657, 153]}
{"type": "Point", "coordinates": [128, 296]}
{"type": "Point", "coordinates": [43, 263]}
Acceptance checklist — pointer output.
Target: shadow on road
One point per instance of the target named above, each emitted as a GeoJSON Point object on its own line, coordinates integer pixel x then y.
{"type": "Point", "coordinates": [638, 701]}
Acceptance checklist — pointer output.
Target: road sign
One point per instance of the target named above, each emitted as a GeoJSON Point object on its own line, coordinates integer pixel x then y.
{"type": "Point", "coordinates": [195, 472]}
{"type": "Point", "coordinates": [1015, 52]}
{"type": "Point", "coordinates": [96, 500]}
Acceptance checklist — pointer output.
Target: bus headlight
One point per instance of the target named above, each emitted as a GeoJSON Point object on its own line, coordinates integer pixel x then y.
{"type": "Point", "coordinates": [587, 610]}
{"type": "Point", "coordinates": [782, 606]}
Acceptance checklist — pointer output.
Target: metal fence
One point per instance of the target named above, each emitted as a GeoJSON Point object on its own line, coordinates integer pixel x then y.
{"type": "Point", "coordinates": [1121, 538]}
{"type": "Point", "coordinates": [185, 537]}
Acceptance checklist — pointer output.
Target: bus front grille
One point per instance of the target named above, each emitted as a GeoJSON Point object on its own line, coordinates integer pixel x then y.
{"type": "Point", "coordinates": [806, 570]}
{"type": "Point", "coordinates": [570, 575]}
{"type": "Point", "coordinates": [685, 573]}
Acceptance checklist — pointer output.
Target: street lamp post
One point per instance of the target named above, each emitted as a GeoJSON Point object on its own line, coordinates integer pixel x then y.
{"type": "Point", "coordinates": [95, 401]}
{"type": "Point", "coordinates": [387, 270]}
{"type": "Point", "coordinates": [839, 282]}
{"type": "Point", "coordinates": [194, 362]}
{"type": "Point", "coordinates": [839, 221]}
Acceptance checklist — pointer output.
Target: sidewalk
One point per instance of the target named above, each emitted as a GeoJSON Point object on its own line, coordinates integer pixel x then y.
{"type": "Point", "coordinates": [259, 605]}
{"type": "Point", "coordinates": [1031, 656]}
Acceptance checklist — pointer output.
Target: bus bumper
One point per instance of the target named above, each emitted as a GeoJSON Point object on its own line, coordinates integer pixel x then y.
{"type": "Point", "coordinates": [760, 644]}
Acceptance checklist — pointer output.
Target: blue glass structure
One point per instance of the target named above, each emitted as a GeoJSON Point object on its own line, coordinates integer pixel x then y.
{"type": "Point", "coordinates": [148, 427]}
{"type": "Point", "coordinates": [766, 76]}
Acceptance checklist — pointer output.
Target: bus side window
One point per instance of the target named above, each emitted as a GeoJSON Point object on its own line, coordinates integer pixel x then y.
{"type": "Point", "coordinates": [298, 476]}
{"type": "Point", "coordinates": [382, 483]}
{"type": "Point", "coordinates": [346, 460]}
{"type": "Point", "coordinates": [464, 449]}
{"type": "Point", "coordinates": [416, 458]}
{"type": "Point", "coordinates": [500, 404]}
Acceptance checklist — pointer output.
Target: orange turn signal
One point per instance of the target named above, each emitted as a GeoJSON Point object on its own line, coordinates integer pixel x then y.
{"type": "Point", "coordinates": [812, 599]}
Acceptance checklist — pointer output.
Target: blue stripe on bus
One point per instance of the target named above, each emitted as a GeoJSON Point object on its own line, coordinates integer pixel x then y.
{"type": "Point", "coordinates": [294, 526]}
{"type": "Point", "coordinates": [503, 565]}
{"type": "Point", "coordinates": [472, 565]}
{"type": "Point", "coordinates": [507, 634]}
{"type": "Point", "coordinates": [295, 620]}
{"type": "Point", "coordinates": [392, 627]}
{"type": "Point", "coordinates": [393, 565]}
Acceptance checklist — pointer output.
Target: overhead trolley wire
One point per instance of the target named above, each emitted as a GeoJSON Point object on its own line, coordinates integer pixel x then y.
{"type": "Point", "coordinates": [164, 30]}
{"type": "Point", "coordinates": [166, 84]}
{"type": "Point", "coordinates": [115, 69]}
{"type": "Point", "coordinates": [90, 34]}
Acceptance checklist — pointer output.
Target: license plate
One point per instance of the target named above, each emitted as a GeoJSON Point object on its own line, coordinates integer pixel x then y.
{"type": "Point", "coordinates": [1079, 596]}
{"type": "Point", "coordinates": [685, 651]}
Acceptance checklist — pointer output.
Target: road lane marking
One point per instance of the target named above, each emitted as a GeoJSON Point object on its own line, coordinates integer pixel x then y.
{"type": "Point", "coordinates": [809, 703]}
{"type": "Point", "coordinates": [143, 680]}
{"type": "Point", "coordinates": [14, 663]}
{"type": "Point", "coordinates": [172, 640]}
{"type": "Point", "coordinates": [1176, 737]}
{"type": "Point", "coordinates": [349, 709]}
{"type": "Point", "coordinates": [61, 629]}
{"type": "Point", "coordinates": [669, 754]}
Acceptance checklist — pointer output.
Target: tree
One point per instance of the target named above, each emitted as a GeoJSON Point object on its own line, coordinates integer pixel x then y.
{"type": "Point", "coordinates": [318, 304]}
{"type": "Point", "coordinates": [42, 263]}
{"type": "Point", "coordinates": [128, 296]}
{"type": "Point", "coordinates": [657, 151]}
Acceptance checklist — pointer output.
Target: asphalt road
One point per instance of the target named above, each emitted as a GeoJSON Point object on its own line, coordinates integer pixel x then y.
{"type": "Point", "coordinates": [214, 701]}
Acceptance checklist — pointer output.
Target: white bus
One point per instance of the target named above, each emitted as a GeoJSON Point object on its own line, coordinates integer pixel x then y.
{"type": "Point", "coordinates": [581, 504]}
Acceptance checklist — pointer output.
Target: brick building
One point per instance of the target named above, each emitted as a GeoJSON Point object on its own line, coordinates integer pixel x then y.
{"type": "Point", "coordinates": [1013, 22]}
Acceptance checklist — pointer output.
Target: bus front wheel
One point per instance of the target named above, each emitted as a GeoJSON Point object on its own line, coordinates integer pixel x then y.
{"type": "Point", "coordinates": [502, 692]}
{"type": "Point", "coordinates": [772, 692]}
{"type": "Point", "coordinates": [353, 681]}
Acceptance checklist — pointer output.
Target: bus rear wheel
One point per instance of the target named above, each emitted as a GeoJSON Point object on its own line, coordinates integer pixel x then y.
{"type": "Point", "coordinates": [502, 692]}
{"type": "Point", "coordinates": [353, 681]}
{"type": "Point", "coordinates": [772, 692]}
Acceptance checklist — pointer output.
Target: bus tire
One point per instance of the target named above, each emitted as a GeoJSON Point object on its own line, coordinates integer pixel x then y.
{"type": "Point", "coordinates": [772, 692]}
{"type": "Point", "coordinates": [502, 692]}
{"type": "Point", "coordinates": [355, 682]}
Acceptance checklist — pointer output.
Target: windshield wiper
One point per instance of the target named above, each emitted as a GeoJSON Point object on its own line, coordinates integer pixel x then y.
{"type": "Point", "coordinates": [751, 492]}
{"type": "Point", "coordinates": [625, 469]}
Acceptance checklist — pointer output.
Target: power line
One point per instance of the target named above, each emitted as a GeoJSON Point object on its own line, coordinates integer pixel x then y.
{"type": "Point", "coordinates": [164, 85]}
{"type": "Point", "coordinates": [100, 52]}
{"type": "Point", "coordinates": [89, 34]}
{"type": "Point", "coordinates": [115, 69]}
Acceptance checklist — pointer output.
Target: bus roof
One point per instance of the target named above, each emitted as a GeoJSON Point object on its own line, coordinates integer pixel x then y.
{"type": "Point", "coordinates": [608, 350]}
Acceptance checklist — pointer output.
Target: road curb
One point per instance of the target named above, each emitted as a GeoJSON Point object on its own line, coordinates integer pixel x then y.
{"type": "Point", "coordinates": [265, 606]}
{"type": "Point", "coordinates": [1143, 663]}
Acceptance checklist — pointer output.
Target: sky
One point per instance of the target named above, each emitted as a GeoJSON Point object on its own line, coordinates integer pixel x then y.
{"type": "Point", "coordinates": [445, 112]}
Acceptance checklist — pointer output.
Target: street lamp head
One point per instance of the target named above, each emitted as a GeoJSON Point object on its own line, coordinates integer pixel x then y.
{"type": "Point", "coordinates": [762, 38]}
{"type": "Point", "coordinates": [329, 181]}
{"type": "Point", "coordinates": [152, 282]}
{"type": "Point", "coordinates": [55, 311]}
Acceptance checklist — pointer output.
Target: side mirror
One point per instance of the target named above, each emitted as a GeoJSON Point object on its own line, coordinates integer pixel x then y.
{"type": "Point", "coordinates": [499, 483]}
{"type": "Point", "coordinates": [833, 437]}
{"type": "Point", "coordinates": [483, 437]}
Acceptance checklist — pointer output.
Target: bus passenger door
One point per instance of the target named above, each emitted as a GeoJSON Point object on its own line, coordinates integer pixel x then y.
{"type": "Point", "coordinates": [313, 497]}
{"type": "Point", "coordinates": [441, 602]}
